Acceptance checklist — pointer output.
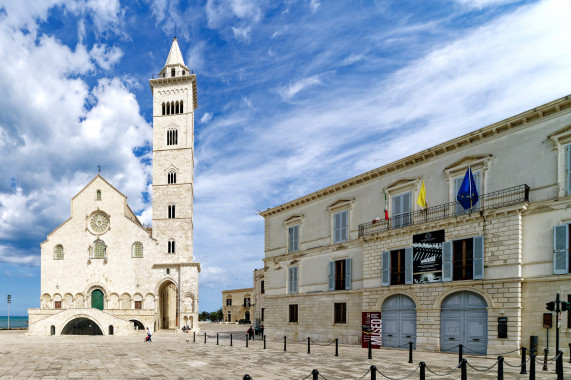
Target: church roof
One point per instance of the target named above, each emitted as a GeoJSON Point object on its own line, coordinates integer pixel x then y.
{"type": "Point", "coordinates": [175, 56]}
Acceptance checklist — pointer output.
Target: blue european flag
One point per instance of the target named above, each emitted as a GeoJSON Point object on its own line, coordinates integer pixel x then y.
{"type": "Point", "coordinates": [467, 194]}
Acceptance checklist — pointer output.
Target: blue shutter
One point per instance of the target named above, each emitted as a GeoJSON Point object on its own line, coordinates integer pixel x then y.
{"type": "Point", "coordinates": [290, 239]}
{"type": "Point", "coordinates": [337, 227]}
{"type": "Point", "coordinates": [560, 249]}
{"type": "Point", "coordinates": [295, 279]}
{"type": "Point", "coordinates": [478, 268]}
{"type": "Point", "coordinates": [397, 211]}
{"type": "Point", "coordinates": [447, 261]}
{"type": "Point", "coordinates": [477, 175]}
{"type": "Point", "coordinates": [386, 280]}
{"type": "Point", "coordinates": [408, 267]}
{"type": "Point", "coordinates": [344, 230]}
{"type": "Point", "coordinates": [406, 207]}
{"type": "Point", "coordinates": [290, 280]}
{"type": "Point", "coordinates": [331, 275]}
{"type": "Point", "coordinates": [568, 169]}
{"type": "Point", "coordinates": [296, 238]}
{"type": "Point", "coordinates": [347, 274]}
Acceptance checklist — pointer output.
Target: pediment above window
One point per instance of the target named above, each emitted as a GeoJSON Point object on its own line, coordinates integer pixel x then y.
{"type": "Point", "coordinates": [561, 137]}
{"type": "Point", "coordinates": [475, 162]}
{"type": "Point", "coordinates": [293, 220]}
{"type": "Point", "coordinates": [341, 204]}
{"type": "Point", "coordinates": [171, 168]}
{"type": "Point", "coordinates": [403, 184]}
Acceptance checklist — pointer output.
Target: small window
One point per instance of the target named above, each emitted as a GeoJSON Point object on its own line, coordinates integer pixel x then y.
{"type": "Point", "coordinates": [98, 195]}
{"type": "Point", "coordinates": [229, 317]}
{"type": "Point", "coordinates": [138, 249]}
{"type": "Point", "coordinates": [340, 220]}
{"type": "Point", "coordinates": [293, 238]}
{"type": "Point", "coordinates": [264, 309]}
{"type": "Point", "coordinates": [164, 109]}
{"type": "Point", "coordinates": [168, 271]}
{"type": "Point", "coordinates": [181, 107]}
{"type": "Point", "coordinates": [172, 72]}
{"type": "Point", "coordinates": [58, 252]}
{"type": "Point", "coordinates": [402, 205]}
{"type": "Point", "coordinates": [138, 304]}
{"type": "Point", "coordinates": [170, 246]}
{"type": "Point", "coordinates": [171, 212]}
{"type": "Point", "coordinates": [183, 72]}
{"type": "Point", "coordinates": [57, 305]}
{"type": "Point", "coordinates": [293, 314]}
{"type": "Point", "coordinates": [99, 249]}
{"type": "Point", "coordinates": [293, 280]}
{"type": "Point", "coordinates": [176, 108]}
{"type": "Point", "coordinates": [171, 177]}
{"type": "Point", "coordinates": [246, 302]}
{"type": "Point", "coordinates": [340, 313]}
{"type": "Point", "coordinates": [262, 290]}
{"type": "Point", "coordinates": [172, 136]}
{"type": "Point", "coordinates": [228, 301]}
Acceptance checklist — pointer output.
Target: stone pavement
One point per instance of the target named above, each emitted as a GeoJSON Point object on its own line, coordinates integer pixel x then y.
{"type": "Point", "coordinates": [176, 356]}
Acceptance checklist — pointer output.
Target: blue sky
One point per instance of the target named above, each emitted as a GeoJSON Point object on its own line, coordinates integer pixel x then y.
{"type": "Point", "coordinates": [293, 96]}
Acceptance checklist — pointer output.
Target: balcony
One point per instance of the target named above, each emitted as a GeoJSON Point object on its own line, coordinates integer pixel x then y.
{"type": "Point", "coordinates": [490, 201]}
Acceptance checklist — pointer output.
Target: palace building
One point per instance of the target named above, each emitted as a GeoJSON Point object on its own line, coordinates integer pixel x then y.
{"type": "Point", "coordinates": [102, 271]}
{"type": "Point", "coordinates": [439, 275]}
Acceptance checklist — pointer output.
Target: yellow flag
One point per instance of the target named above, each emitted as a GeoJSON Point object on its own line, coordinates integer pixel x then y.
{"type": "Point", "coordinates": [421, 201]}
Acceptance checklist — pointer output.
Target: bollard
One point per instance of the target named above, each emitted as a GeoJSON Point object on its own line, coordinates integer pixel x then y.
{"type": "Point", "coordinates": [217, 339]}
{"type": "Point", "coordinates": [230, 340]}
{"type": "Point", "coordinates": [315, 374]}
{"type": "Point", "coordinates": [370, 350]}
{"type": "Point", "coordinates": [308, 346]}
{"type": "Point", "coordinates": [336, 346]}
{"type": "Point", "coordinates": [410, 352]}
{"type": "Point", "coordinates": [205, 337]}
{"type": "Point", "coordinates": [373, 372]}
{"type": "Point", "coordinates": [460, 353]}
{"type": "Point", "coordinates": [264, 342]}
{"type": "Point", "coordinates": [559, 365]}
{"type": "Point", "coordinates": [194, 337]}
{"type": "Point", "coordinates": [545, 355]}
{"type": "Point", "coordinates": [423, 371]}
{"type": "Point", "coordinates": [247, 338]}
{"type": "Point", "coordinates": [285, 344]}
{"type": "Point", "coordinates": [247, 377]}
{"type": "Point", "coordinates": [523, 370]}
{"type": "Point", "coordinates": [500, 368]}
{"type": "Point", "coordinates": [532, 366]}
{"type": "Point", "coordinates": [569, 352]}
{"type": "Point", "coordinates": [464, 375]}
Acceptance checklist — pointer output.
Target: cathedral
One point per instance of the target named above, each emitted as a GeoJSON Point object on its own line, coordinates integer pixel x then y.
{"type": "Point", "coordinates": [102, 271]}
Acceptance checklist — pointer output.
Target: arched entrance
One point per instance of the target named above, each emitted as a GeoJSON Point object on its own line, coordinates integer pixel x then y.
{"type": "Point", "coordinates": [464, 320]}
{"type": "Point", "coordinates": [399, 321]}
{"type": "Point", "coordinates": [81, 326]}
{"type": "Point", "coordinates": [137, 325]}
{"type": "Point", "coordinates": [168, 311]}
{"type": "Point", "coordinates": [97, 299]}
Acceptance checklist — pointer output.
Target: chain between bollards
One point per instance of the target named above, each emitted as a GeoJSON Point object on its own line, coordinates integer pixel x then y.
{"type": "Point", "coordinates": [410, 352]}
{"type": "Point", "coordinates": [523, 370]}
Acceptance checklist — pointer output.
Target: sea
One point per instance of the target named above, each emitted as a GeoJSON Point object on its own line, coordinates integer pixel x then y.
{"type": "Point", "coordinates": [15, 322]}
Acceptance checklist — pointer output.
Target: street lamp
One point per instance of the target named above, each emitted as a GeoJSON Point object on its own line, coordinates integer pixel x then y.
{"type": "Point", "coordinates": [9, 300]}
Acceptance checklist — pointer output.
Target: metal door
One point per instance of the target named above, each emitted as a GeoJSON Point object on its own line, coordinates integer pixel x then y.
{"type": "Point", "coordinates": [399, 321]}
{"type": "Point", "coordinates": [464, 320]}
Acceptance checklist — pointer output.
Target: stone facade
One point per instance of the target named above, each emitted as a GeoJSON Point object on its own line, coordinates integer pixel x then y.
{"type": "Point", "coordinates": [238, 304]}
{"type": "Point", "coordinates": [331, 255]}
{"type": "Point", "coordinates": [102, 267]}
{"type": "Point", "coordinates": [259, 292]}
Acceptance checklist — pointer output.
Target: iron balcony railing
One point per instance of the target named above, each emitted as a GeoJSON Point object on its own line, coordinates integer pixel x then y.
{"type": "Point", "coordinates": [494, 200]}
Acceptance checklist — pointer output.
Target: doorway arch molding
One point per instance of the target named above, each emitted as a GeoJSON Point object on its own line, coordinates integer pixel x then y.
{"type": "Point", "coordinates": [456, 289]}
{"type": "Point", "coordinates": [81, 315]}
{"type": "Point", "coordinates": [164, 281]}
{"type": "Point", "coordinates": [384, 297]}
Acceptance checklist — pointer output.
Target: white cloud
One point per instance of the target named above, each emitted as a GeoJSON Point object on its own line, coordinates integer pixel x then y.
{"type": "Point", "coordinates": [314, 5]}
{"type": "Point", "coordinates": [240, 15]}
{"type": "Point", "coordinates": [206, 117]}
{"type": "Point", "coordinates": [484, 3]}
{"type": "Point", "coordinates": [105, 56]}
{"type": "Point", "coordinates": [293, 88]}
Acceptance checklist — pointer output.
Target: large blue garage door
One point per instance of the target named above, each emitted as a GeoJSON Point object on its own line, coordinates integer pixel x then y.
{"type": "Point", "coordinates": [399, 321]}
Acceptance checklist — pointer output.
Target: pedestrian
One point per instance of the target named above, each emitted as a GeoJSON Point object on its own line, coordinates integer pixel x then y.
{"type": "Point", "coordinates": [262, 331]}
{"type": "Point", "coordinates": [251, 333]}
{"type": "Point", "coordinates": [149, 333]}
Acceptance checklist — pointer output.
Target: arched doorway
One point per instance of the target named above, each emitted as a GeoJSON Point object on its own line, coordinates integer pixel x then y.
{"type": "Point", "coordinates": [168, 311]}
{"type": "Point", "coordinates": [464, 320]}
{"type": "Point", "coordinates": [137, 325]}
{"type": "Point", "coordinates": [81, 326]}
{"type": "Point", "coordinates": [399, 321]}
{"type": "Point", "coordinates": [97, 299]}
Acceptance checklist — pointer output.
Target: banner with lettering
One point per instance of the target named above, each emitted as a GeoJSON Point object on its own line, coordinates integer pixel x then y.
{"type": "Point", "coordinates": [427, 256]}
{"type": "Point", "coordinates": [371, 329]}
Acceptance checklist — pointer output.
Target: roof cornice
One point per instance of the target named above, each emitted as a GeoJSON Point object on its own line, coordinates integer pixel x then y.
{"type": "Point", "coordinates": [517, 122]}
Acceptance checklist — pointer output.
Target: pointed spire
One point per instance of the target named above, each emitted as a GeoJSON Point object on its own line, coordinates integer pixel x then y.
{"type": "Point", "coordinates": [175, 56]}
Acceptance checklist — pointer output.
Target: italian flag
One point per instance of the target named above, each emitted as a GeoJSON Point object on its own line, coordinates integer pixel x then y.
{"type": "Point", "coordinates": [386, 208]}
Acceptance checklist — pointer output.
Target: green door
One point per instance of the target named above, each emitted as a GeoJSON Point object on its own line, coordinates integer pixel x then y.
{"type": "Point", "coordinates": [97, 299]}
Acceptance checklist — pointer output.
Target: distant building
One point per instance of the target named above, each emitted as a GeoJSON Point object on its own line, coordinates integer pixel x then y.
{"type": "Point", "coordinates": [259, 292]}
{"type": "Point", "coordinates": [440, 275]}
{"type": "Point", "coordinates": [102, 271]}
{"type": "Point", "coordinates": [237, 304]}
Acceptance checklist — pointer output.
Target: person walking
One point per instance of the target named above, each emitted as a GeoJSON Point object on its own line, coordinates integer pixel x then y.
{"type": "Point", "coordinates": [251, 333]}
{"type": "Point", "coordinates": [149, 333]}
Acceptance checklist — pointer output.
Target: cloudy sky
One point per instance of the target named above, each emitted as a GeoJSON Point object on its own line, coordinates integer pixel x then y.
{"type": "Point", "coordinates": [293, 95]}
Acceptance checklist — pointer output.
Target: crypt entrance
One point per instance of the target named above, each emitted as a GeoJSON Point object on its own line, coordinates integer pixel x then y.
{"type": "Point", "coordinates": [168, 306]}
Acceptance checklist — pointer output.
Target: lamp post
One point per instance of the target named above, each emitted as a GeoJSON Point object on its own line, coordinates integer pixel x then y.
{"type": "Point", "coordinates": [9, 300]}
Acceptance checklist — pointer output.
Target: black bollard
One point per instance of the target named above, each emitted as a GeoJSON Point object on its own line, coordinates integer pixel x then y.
{"type": "Point", "coordinates": [230, 340]}
{"type": "Point", "coordinates": [308, 346]}
{"type": "Point", "coordinates": [464, 375]}
{"type": "Point", "coordinates": [460, 353]}
{"type": "Point", "coordinates": [217, 339]}
{"type": "Point", "coordinates": [422, 370]}
{"type": "Point", "coordinates": [569, 352]}
{"type": "Point", "coordinates": [336, 346]}
{"type": "Point", "coordinates": [285, 339]}
{"type": "Point", "coordinates": [247, 377]}
{"type": "Point", "coordinates": [194, 337]}
{"type": "Point", "coordinates": [373, 372]}
{"type": "Point", "coordinates": [500, 368]}
{"type": "Point", "coordinates": [315, 374]}
{"type": "Point", "coordinates": [523, 370]}
{"type": "Point", "coordinates": [264, 342]}
{"type": "Point", "coordinates": [370, 350]}
{"type": "Point", "coordinates": [247, 338]}
{"type": "Point", "coordinates": [545, 355]}
{"type": "Point", "coordinates": [559, 365]}
{"type": "Point", "coordinates": [532, 366]}
{"type": "Point", "coordinates": [410, 352]}
{"type": "Point", "coordinates": [205, 337]}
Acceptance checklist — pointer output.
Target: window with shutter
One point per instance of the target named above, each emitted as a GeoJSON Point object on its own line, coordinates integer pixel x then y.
{"type": "Point", "coordinates": [561, 249]}
{"type": "Point", "coordinates": [347, 274]}
{"type": "Point", "coordinates": [478, 273]}
{"type": "Point", "coordinates": [293, 280]}
{"type": "Point", "coordinates": [447, 261]}
{"type": "Point", "coordinates": [340, 226]}
{"type": "Point", "coordinates": [293, 238]}
{"type": "Point", "coordinates": [331, 275]}
{"type": "Point", "coordinates": [402, 206]}
{"type": "Point", "coordinates": [458, 182]}
{"type": "Point", "coordinates": [398, 267]}
{"type": "Point", "coordinates": [386, 278]}
{"type": "Point", "coordinates": [408, 269]}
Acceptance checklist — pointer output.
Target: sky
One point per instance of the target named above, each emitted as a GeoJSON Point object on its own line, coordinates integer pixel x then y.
{"type": "Point", "coordinates": [293, 96]}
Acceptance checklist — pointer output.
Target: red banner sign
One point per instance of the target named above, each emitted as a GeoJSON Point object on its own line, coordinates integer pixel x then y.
{"type": "Point", "coordinates": [371, 329]}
